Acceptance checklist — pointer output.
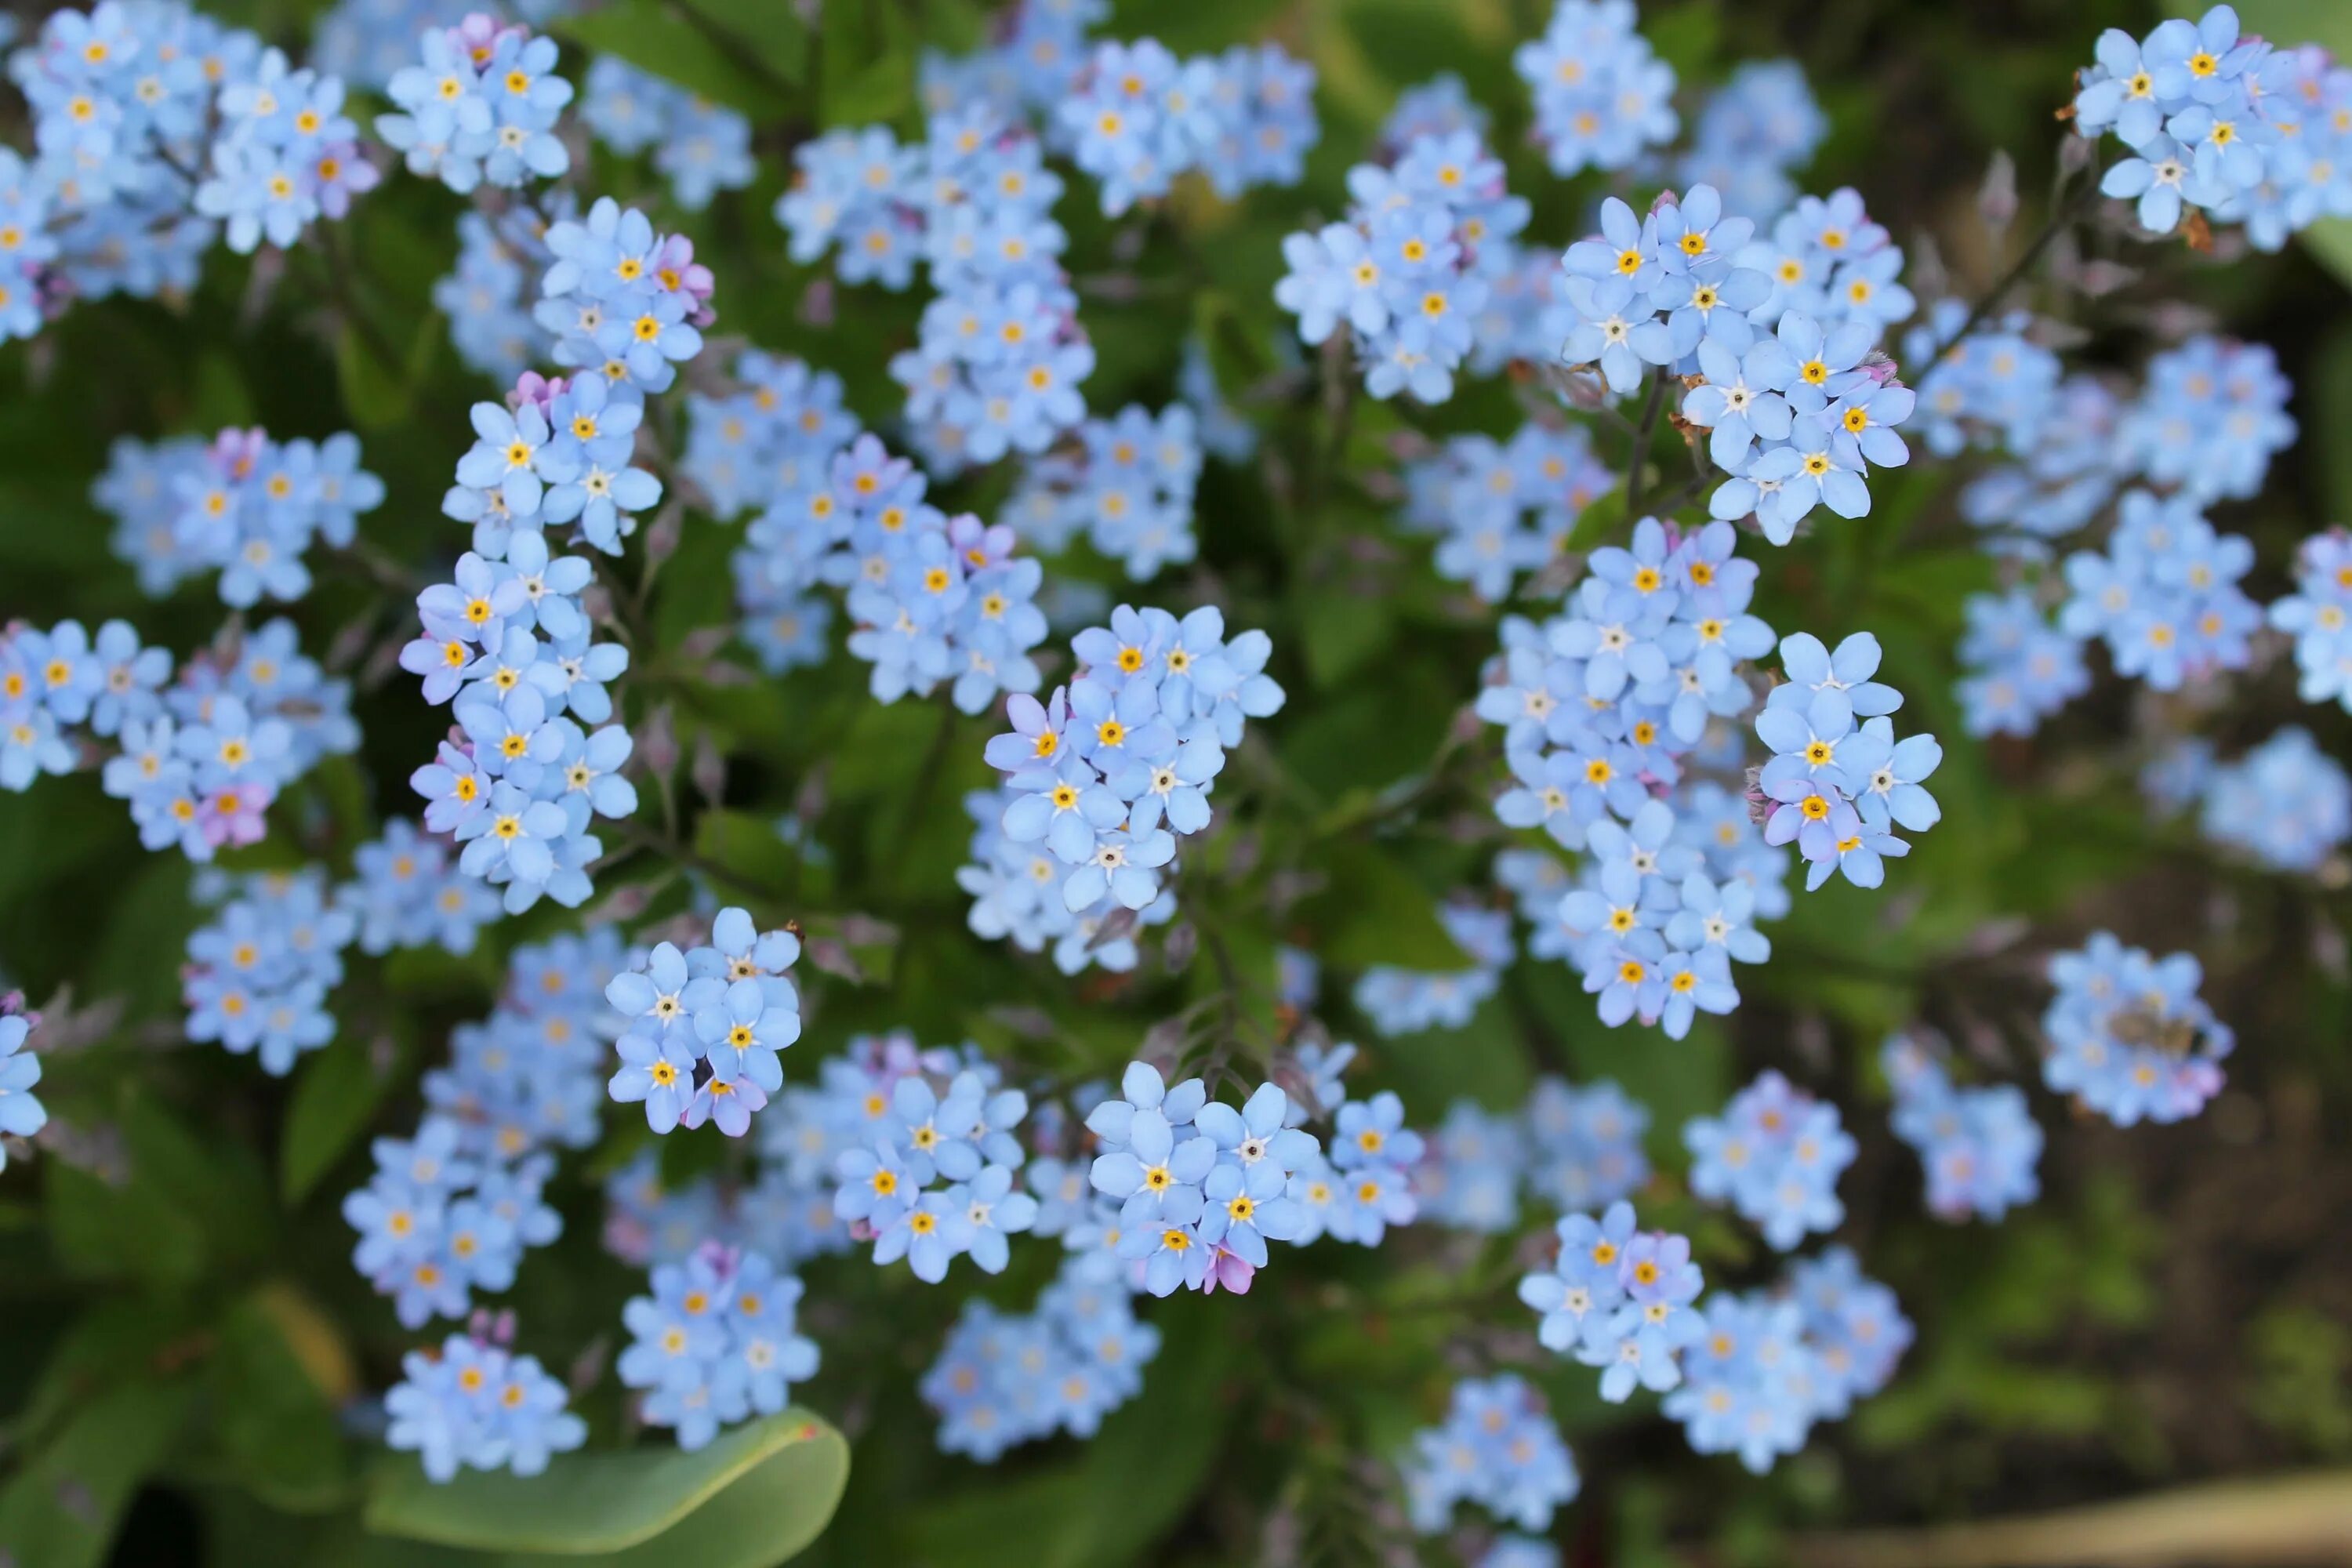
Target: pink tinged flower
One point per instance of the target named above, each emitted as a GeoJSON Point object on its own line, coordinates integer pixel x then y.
{"type": "Point", "coordinates": [535, 388]}
{"type": "Point", "coordinates": [1228, 1271]}
{"type": "Point", "coordinates": [231, 816]}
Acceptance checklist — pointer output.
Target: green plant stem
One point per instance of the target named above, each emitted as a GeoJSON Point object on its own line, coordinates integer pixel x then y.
{"type": "Point", "coordinates": [1636, 463]}
{"type": "Point", "coordinates": [2061, 217]}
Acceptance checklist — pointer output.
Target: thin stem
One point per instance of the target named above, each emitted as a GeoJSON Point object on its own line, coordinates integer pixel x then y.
{"type": "Point", "coordinates": [2061, 217]}
{"type": "Point", "coordinates": [1641, 434]}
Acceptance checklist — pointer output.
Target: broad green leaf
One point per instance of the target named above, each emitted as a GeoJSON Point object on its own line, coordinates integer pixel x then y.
{"type": "Point", "coordinates": [1485, 1060]}
{"type": "Point", "coordinates": [746, 845]}
{"type": "Point", "coordinates": [61, 1510]}
{"type": "Point", "coordinates": [379, 391]}
{"type": "Point", "coordinates": [1598, 524]}
{"type": "Point", "coordinates": [272, 1429]}
{"type": "Point", "coordinates": [1342, 629]}
{"type": "Point", "coordinates": [183, 1197]}
{"type": "Point", "coordinates": [336, 1092]}
{"type": "Point", "coordinates": [1407, 41]}
{"type": "Point", "coordinates": [751, 1499]}
{"type": "Point", "coordinates": [884, 740]}
{"type": "Point", "coordinates": [664, 39]}
{"type": "Point", "coordinates": [1374, 911]}
{"type": "Point", "coordinates": [865, 66]}
{"type": "Point", "coordinates": [772, 33]}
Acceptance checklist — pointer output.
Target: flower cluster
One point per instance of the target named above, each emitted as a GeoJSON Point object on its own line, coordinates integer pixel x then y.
{"type": "Point", "coordinates": [1002, 1380]}
{"type": "Point", "coordinates": [963, 1139]}
{"type": "Point", "coordinates": [1474, 1163]}
{"type": "Point", "coordinates": [2200, 109]}
{"type": "Point", "coordinates": [1620, 1299]}
{"type": "Point", "coordinates": [478, 1405]}
{"type": "Point", "coordinates": [2128, 1036]}
{"type": "Point", "coordinates": [2212, 416]}
{"type": "Point", "coordinates": [1648, 291]}
{"type": "Point", "coordinates": [1765, 1368]}
{"type": "Point", "coordinates": [1501, 508]}
{"type": "Point", "coordinates": [631, 303]}
{"type": "Point", "coordinates": [202, 758]}
{"type": "Point", "coordinates": [1407, 273]}
{"type": "Point", "coordinates": [2286, 803]}
{"type": "Point", "coordinates": [437, 1223]}
{"type": "Point", "coordinates": [1978, 1145]}
{"type": "Point", "coordinates": [1798, 421]}
{"type": "Point", "coordinates": [2318, 617]}
{"type": "Point", "coordinates": [1852, 1324]}
{"type": "Point", "coordinates": [1775, 1154]}
{"type": "Point", "coordinates": [1127, 489]}
{"type": "Point", "coordinates": [508, 643]}
{"type": "Point", "coordinates": [1602, 97]}
{"type": "Point", "coordinates": [1584, 1145]}
{"type": "Point", "coordinates": [1366, 1185]}
{"type": "Point", "coordinates": [1751, 135]}
{"type": "Point", "coordinates": [2021, 668]}
{"type": "Point", "coordinates": [406, 892]}
{"type": "Point", "coordinates": [152, 122]}
{"type": "Point", "coordinates": [1601, 709]}
{"type": "Point", "coordinates": [1408, 1002]}
{"type": "Point", "coordinates": [1996, 386]}
{"type": "Point", "coordinates": [21, 1112]}
{"type": "Point", "coordinates": [785, 1215]}
{"type": "Point", "coordinates": [240, 504]}
{"type": "Point", "coordinates": [1107, 773]}
{"type": "Point", "coordinates": [1498, 1448]}
{"type": "Point", "coordinates": [2305, 93]}
{"type": "Point", "coordinates": [700, 148]}
{"type": "Point", "coordinates": [54, 682]}
{"type": "Point", "coordinates": [933, 600]}
{"type": "Point", "coordinates": [703, 1029]}
{"type": "Point", "coordinates": [527, 1077]}
{"type": "Point", "coordinates": [1830, 263]}
{"type": "Point", "coordinates": [284, 154]}
{"type": "Point", "coordinates": [480, 106]}
{"type": "Point", "coordinates": [258, 972]}
{"type": "Point", "coordinates": [2165, 595]}
{"type": "Point", "coordinates": [1203, 1187]}
{"type": "Point", "coordinates": [2206, 424]}
{"type": "Point", "coordinates": [487, 296]}
{"type": "Point", "coordinates": [717, 1342]}
{"type": "Point", "coordinates": [1137, 117]}
{"type": "Point", "coordinates": [1001, 351]}
{"type": "Point", "coordinates": [1836, 789]}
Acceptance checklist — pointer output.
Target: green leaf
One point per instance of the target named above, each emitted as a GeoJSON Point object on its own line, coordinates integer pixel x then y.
{"type": "Point", "coordinates": [665, 40]}
{"type": "Point", "coordinates": [182, 1198]}
{"type": "Point", "coordinates": [338, 1090]}
{"type": "Point", "coordinates": [1598, 523]}
{"type": "Point", "coordinates": [750, 1500]}
{"type": "Point", "coordinates": [767, 30]}
{"type": "Point", "coordinates": [1406, 41]}
{"type": "Point", "coordinates": [747, 846]}
{"type": "Point", "coordinates": [378, 395]}
{"type": "Point", "coordinates": [1373, 910]}
{"type": "Point", "coordinates": [275, 1432]}
{"type": "Point", "coordinates": [61, 1510]}
{"type": "Point", "coordinates": [1342, 631]}
{"type": "Point", "coordinates": [867, 74]}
